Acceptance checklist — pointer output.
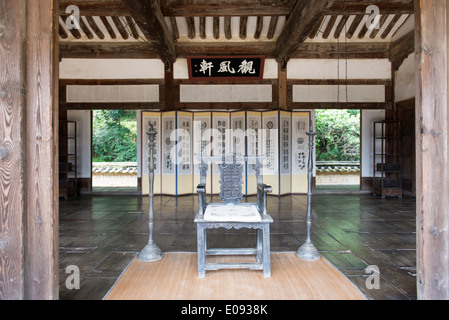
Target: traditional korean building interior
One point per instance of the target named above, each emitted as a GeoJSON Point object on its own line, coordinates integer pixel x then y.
{"type": "Point", "coordinates": [213, 78]}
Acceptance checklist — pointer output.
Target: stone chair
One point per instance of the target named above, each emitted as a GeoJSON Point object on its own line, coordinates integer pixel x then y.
{"type": "Point", "coordinates": [232, 214]}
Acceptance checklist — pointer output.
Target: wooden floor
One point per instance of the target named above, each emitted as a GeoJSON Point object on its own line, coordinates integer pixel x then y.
{"type": "Point", "coordinates": [175, 277]}
{"type": "Point", "coordinates": [102, 235]}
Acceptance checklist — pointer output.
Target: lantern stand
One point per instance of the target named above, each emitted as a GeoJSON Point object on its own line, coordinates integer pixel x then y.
{"type": "Point", "coordinates": [308, 252]}
{"type": "Point", "coordinates": [151, 252]}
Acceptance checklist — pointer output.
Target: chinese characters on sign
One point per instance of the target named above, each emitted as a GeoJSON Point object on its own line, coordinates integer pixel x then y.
{"type": "Point", "coordinates": [210, 68]}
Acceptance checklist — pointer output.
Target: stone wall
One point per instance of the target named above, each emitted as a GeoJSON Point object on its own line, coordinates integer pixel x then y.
{"type": "Point", "coordinates": [117, 174]}
{"type": "Point", "coordinates": [338, 173]}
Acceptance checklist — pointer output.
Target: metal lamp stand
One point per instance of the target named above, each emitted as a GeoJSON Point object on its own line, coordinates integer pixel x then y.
{"type": "Point", "coordinates": [151, 252]}
{"type": "Point", "coordinates": [308, 252]}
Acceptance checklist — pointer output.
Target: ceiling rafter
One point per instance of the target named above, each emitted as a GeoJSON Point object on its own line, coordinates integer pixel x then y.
{"type": "Point", "coordinates": [303, 19]}
{"type": "Point", "coordinates": [167, 33]}
{"type": "Point", "coordinates": [149, 18]}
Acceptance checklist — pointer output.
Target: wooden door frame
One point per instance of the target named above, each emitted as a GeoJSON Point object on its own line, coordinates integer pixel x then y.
{"type": "Point", "coordinates": [29, 200]}
{"type": "Point", "coordinates": [432, 171]}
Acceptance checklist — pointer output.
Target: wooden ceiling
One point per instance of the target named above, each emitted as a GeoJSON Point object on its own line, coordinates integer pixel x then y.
{"type": "Point", "coordinates": [281, 29]}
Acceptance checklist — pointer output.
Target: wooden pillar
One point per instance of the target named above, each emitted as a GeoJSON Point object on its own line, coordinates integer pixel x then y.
{"type": "Point", "coordinates": [282, 85]}
{"type": "Point", "coordinates": [29, 58]}
{"type": "Point", "coordinates": [432, 165]}
{"type": "Point", "coordinates": [169, 88]}
{"type": "Point", "coordinates": [12, 124]}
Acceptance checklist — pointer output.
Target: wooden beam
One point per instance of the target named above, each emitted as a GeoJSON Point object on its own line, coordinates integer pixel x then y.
{"type": "Point", "coordinates": [299, 25]}
{"type": "Point", "coordinates": [149, 18]}
{"type": "Point", "coordinates": [341, 25]}
{"type": "Point", "coordinates": [216, 28]}
{"type": "Point", "coordinates": [329, 26]}
{"type": "Point", "coordinates": [226, 106]}
{"type": "Point", "coordinates": [215, 8]}
{"type": "Point", "coordinates": [191, 30]}
{"type": "Point", "coordinates": [353, 7]}
{"type": "Point", "coordinates": [107, 50]}
{"type": "Point", "coordinates": [401, 49]}
{"type": "Point", "coordinates": [243, 27]}
{"type": "Point", "coordinates": [374, 32]}
{"type": "Point", "coordinates": [112, 106]}
{"type": "Point", "coordinates": [307, 50]}
{"type": "Point", "coordinates": [175, 29]}
{"type": "Point", "coordinates": [390, 26]}
{"type": "Point", "coordinates": [259, 27]}
{"type": "Point", "coordinates": [85, 29]}
{"type": "Point", "coordinates": [272, 27]}
{"type": "Point", "coordinates": [203, 28]}
{"type": "Point", "coordinates": [220, 8]}
{"type": "Point", "coordinates": [120, 27]}
{"type": "Point", "coordinates": [108, 27]}
{"type": "Point", "coordinates": [95, 28]}
{"type": "Point", "coordinates": [341, 105]}
{"type": "Point", "coordinates": [365, 50]}
{"type": "Point", "coordinates": [354, 25]}
{"type": "Point", "coordinates": [95, 7]}
{"type": "Point", "coordinates": [432, 154]}
{"type": "Point", "coordinates": [225, 48]}
{"type": "Point", "coordinates": [227, 28]}
{"type": "Point", "coordinates": [131, 25]}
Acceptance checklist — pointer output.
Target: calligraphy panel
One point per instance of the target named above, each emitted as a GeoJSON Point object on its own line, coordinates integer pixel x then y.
{"type": "Point", "coordinates": [226, 68]}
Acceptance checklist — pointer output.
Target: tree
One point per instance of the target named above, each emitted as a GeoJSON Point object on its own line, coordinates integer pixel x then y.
{"type": "Point", "coordinates": [338, 135]}
{"type": "Point", "coordinates": [114, 136]}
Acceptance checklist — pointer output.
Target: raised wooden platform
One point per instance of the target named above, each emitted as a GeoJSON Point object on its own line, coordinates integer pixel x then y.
{"type": "Point", "coordinates": [175, 277]}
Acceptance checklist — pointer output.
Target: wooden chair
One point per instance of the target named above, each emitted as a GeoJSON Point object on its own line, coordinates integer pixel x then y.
{"type": "Point", "coordinates": [230, 213]}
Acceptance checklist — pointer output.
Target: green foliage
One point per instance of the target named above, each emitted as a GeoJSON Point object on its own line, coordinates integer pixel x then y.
{"type": "Point", "coordinates": [338, 135]}
{"type": "Point", "coordinates": [114, 136]}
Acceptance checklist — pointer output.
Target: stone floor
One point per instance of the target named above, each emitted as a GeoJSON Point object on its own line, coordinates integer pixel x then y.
{"type": "Point", "coordinates": [103, 234]}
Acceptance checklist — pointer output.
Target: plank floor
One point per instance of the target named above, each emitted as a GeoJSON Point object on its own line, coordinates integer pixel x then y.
{"type": "Point", "coordinates": [175, 277]}
{"type": "Point", "coordinates": [103, 234]}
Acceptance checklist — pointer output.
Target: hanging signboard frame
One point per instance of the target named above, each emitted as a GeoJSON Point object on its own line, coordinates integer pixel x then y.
{"type": "Point", "coordinates": [226, 68]}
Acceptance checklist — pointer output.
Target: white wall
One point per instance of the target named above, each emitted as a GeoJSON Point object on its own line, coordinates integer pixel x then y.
{"type": "Point", "coordinates": [405, 81]}
{"type": "Point", "coordinates": [111, 69]}
{"type": "Point", "coordinates": [112, 93]}
{"type": "Point", "coordinates": [336, 69]}
{"type": "Point", "coordinates": [83, 119]}
{"type": "Point", "coordinates": [368, 117]}
{"type": "Point", "coordinates": [333, 93]}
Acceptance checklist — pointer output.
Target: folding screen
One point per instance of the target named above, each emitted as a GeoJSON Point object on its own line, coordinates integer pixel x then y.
{"type": "Point", "coordinates": [285, 133]}
{"type": "Point", "coordinates": [253, 147]}
{"type": "Point", "coordinates": [169, 154]}
{"type": "Point", "coordinates": [238, 145]}
{"type": "Point", "coordinates": [221, 144]}
{"type": "Point", "coordinates": [182, 135]}
{"type": "Point", "coordinates": [202, 135]}
{"type": "Point", "coordinates": [270, 147]}
{"type": "Point", "coordinates": [184, 138]}
{"type": "Point", "coordinates": [300, 151]}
